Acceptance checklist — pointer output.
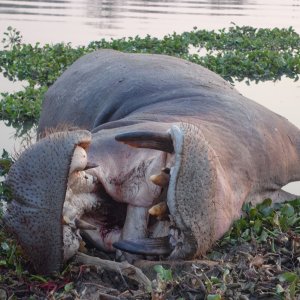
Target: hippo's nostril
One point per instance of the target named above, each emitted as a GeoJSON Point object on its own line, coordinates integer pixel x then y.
{"type": "Point", "coordinates": [147, 139]}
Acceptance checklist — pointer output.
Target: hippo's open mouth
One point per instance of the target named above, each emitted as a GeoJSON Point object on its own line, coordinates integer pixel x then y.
{"type": "Point", "coordinates": [52, 214]}
{"type": "Point", "coordinates": [93, 213]}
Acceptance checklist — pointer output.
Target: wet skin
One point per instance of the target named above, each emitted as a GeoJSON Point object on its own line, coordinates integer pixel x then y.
{"type": "Point", "coordinates": [166, 155]}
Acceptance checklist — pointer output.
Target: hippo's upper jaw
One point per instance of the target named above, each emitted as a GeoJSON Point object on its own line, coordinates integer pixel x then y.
{"type": "Point", "coordinates": [59, 198]}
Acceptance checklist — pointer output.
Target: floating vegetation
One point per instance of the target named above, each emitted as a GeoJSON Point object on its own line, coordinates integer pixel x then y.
{"type": "Point", "coordinates": [236, 53]}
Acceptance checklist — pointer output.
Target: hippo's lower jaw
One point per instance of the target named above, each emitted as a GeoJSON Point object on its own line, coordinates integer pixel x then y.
{"type": "Point", "coordinates": [50, 214]}
{"type": "Point", "coordinates": [155, 229]}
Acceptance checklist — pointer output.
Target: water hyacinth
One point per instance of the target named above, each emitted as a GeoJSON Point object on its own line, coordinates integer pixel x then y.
{"type": "Point", "coordinates": [236, 53]}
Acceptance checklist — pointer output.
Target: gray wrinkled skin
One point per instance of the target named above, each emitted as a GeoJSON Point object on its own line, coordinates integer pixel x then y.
{"type": "Point", "coordinates": [227, 149]}
{"type": "Point", "coordinates": [35, 213]}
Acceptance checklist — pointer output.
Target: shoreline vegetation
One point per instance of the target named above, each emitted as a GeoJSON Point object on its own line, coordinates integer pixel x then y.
{"type": "Point", "coordinates": [259, 258]}
{"type": "Point", "coordinates": [236, 53]}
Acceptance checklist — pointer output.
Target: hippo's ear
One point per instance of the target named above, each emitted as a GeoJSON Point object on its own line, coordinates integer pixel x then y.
{"type": "Point", "coordinates": [38, 181]}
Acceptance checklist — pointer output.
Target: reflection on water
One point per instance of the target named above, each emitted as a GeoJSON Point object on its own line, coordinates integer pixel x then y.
{"type": "Point", "coordinates": [82, 21]}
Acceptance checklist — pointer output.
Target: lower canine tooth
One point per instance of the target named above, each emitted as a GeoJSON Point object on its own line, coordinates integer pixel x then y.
{"type": "Point", "coordinates": [135, 226]}
{"type": "Point", "coordinates": [81, 224]}
{"type": "Point", "coordinates": [159, 210]}
{"type": "Point", "coordinates": [146, 246]}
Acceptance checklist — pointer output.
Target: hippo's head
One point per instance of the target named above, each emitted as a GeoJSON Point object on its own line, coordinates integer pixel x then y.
{"type": "Point", "coordinates": [59, 197]}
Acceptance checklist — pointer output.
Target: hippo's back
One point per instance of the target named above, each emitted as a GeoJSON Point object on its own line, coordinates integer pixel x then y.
{"type": "Point", "coordinates": [107, 85]}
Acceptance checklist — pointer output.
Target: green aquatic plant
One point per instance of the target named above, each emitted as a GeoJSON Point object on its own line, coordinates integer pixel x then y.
{"type": "Point", "coordinates": [264, 222]}
{"type": "Point", "coordinates": [237, 53]}
{"type": "Point", "coordinates": [11, 38]}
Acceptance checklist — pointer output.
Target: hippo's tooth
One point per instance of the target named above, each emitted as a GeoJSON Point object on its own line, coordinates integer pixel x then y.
{"type": "Point", "coordinates": [81, 182]}
{"type": "Point", "coordinates": [161, 179]}
{"type": "Point", "coordinates": [79, 160]}
{"type": "Point", "coordinates": [147, 139]}
{"type": "Point", "coordinates": [65, 220]}
{"type": "Point", "coordinates": [159, 209]}
{"type": "Point", "coordinates": [136, 222]}
{"type": "Point", "coordinates": [147, 246]}
{"type": "Point", "coordinates": [90, 165]}
{"type": "Point", "coordinates": [135, 226]}
{"type": "Point", "coordinates": [81, 224]}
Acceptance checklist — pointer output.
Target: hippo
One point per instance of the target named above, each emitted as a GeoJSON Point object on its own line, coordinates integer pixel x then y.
{"type": "Point", "coordinates": [145, 156]}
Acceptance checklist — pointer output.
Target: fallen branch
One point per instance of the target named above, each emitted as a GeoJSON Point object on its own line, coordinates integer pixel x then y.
{"type": "Point", "coordinates": [125, 268]}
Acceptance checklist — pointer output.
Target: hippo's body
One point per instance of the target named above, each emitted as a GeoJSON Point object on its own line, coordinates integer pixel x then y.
{"type": "Point", "coordinates": [217, 150]}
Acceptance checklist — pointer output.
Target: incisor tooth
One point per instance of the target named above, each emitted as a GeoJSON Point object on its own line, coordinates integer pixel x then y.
{"type": "Point", "coordinates": [79, 160]}
{"type": "Point", "coordinates": [161, 179]}
{"type": "Point", "coordinates": [82, 247]}
{"type": "Point", "coordinates": [66, 220]}
{"type": "Point", "coordinates": [81, 224]}
{"type": "Point", "coordinates": [159, 209]}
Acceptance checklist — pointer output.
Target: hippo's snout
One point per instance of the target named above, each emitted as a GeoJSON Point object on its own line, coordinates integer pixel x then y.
{"type": "Point", "coordinates": [38, 181]}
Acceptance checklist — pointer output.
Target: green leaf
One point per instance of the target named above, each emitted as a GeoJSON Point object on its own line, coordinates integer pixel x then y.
{"type": "Point", "coordinates": [164, 274]}
{"type": "Point", "coordinates": [3, 262]}
{"type": "Point", "coordinates": [215, 280]}
{"type": "Point", "coordinates": [214, 297]}
{"type": "Point", "coordinates": [5, 246]}
{"type": "Point", "coordinates": [257, 226]}
{"type": "Point", "coordinates": [265, 207]}
{"type": "Point", "coordinates": [38, 278]}
{"type": "Point", "coordinates": [287, 210]}
{"type": "Point", "coordinates": [263, 237]}
{"type": "Point", "coordinates": [69, 286]}
{"type": "Point", "coordinates": [279, 289]}
{"type": "Point", "coordinates": [288, 277]}
{"type": "Point", "coordinates": [253, 212]}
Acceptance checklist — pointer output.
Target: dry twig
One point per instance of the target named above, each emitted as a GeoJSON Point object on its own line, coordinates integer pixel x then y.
{"type": "Point", "coordinates": [124, 268]}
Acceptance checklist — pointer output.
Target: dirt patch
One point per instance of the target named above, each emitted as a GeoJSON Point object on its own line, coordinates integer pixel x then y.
{"type": "Point", "coordinates": [243, 271]}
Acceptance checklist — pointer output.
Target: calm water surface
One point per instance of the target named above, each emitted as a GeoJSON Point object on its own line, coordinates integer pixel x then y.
{"type": "Point", "coordinates": [81, 21]}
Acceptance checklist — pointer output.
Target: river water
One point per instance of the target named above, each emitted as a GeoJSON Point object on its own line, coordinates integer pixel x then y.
{"type": "Point", "coordinates": [81, 21]}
